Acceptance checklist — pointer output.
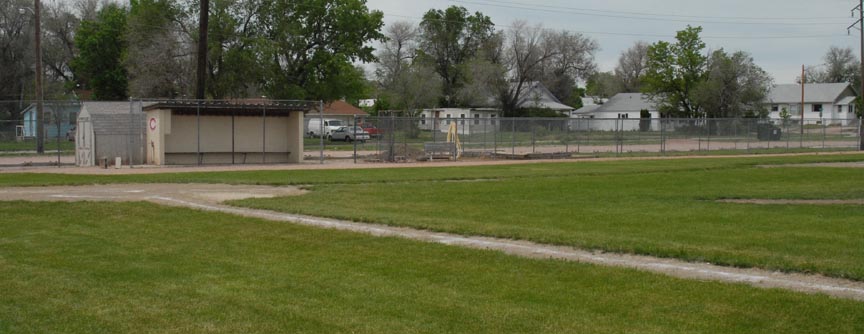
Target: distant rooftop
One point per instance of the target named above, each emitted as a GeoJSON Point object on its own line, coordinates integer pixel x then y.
{"type": "Point", "coordinates": [816, 92]}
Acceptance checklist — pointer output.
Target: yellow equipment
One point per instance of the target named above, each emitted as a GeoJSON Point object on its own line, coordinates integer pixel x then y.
{"type": "Point", "coordinates": [453, 137]}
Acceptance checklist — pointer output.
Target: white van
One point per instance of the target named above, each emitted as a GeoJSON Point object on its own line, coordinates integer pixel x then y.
{"type": "Point", "coordinates": [313, 127]}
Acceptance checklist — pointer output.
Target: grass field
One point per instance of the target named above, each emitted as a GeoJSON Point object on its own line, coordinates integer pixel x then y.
{"type": "Point", "coordinates": [663, 208]}
{"type": "Point", "coordinates": [660, 213]}
{"type": "Point", "coordinates": [51, 144]}
{"type": "Point", "coordinates": [143, 268]}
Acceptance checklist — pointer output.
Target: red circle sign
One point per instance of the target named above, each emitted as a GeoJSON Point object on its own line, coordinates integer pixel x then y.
{"type": "Point", "coordinates": [152, 124]}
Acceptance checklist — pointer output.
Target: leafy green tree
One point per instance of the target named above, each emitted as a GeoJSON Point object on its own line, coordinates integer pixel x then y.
{"type": "Point", "coordinates": [448, 40]}
{"type": "Point", "coordinates": [101, 51]}
{"type": "Point", "coordinates": [307, 47]}
{"type": "Point", "coordinates": [674, 71]}
{"type": "Point", "coordinates": [734, 86]}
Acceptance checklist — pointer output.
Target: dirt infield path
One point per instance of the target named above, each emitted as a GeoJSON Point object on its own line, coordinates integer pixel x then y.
{"type": "Point", "coordinates": [210, 196]}
{"type": "Point", "coordinates": [348, 164]}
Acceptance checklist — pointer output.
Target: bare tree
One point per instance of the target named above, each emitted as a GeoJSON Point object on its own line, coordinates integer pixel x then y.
{"type": "Point", "coordinates": [16, 55]}
{"type": "Point", "coordinates": [88, 9]}
{"type": "Point", "coordinates": [531, 52]}
{"type": "Point", "coordinates": [159, 59]}
{"type": "Point", "coordinates": [59, 26]}
{"type": "Point", "coordinates": [839, 65]}
{"type": "Point", "coordinates": [631, 66]}
{"type": "Point", "coordinates": [397, 52]}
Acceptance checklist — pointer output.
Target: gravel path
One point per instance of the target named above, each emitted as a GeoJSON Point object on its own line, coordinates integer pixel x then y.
{"type": "Point", "coordinates": [209, 197]}
{"type": "Point", "coordinates": [348, 164]}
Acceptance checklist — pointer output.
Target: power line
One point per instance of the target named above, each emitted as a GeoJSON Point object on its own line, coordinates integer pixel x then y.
{"type": "Point", "coordinates": [555, 9]}
{"type": "Point", "coordinates": [609, 33]}
{"type": "Point", "coordinates": [670, 15]}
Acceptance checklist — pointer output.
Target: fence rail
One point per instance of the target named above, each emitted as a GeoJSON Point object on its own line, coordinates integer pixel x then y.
{"type": "Point", "coordinates": [404, 139]}
{"type": "Point", "coordinates": [397, 139]}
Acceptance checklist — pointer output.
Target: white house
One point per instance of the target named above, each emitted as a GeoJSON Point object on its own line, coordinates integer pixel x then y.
{"type": "Point", "coordinates": [468, 120]}
{"type": "Point", "coordinates": [833, 102]}
{"type": "Point", "coordinates": [621, 112]}
{"type": "Point", "coordinates": [485, 117]}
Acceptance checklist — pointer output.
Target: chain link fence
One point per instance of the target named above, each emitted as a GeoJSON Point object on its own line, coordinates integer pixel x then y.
{"type": "Point", "coordinates": [20, 130]}
{"type": "Point", "coordinates": [397, 139]}
{"type": "Point", "coordinates": [327, 139]}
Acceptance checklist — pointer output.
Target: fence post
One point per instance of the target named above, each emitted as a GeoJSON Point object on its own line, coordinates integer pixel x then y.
{"type": "Point", "coordinates": [567, 136]}
{"type": "Point", "coordinates": [513, 136]}
{"type": "Point", "coordinates": [533, 136]}
{"type": "Point", "coordinates": [495, 128]}
{"type": "Point", "coordinates": [198, 131]}
{"type": "Point", "coordinates": [484, 136]}
{"type": "Point", "coordinates": [787, 133]}
{"type": "Point", "coordinates": [58, 116]}
{"type": "Point", "coordinates": [708, 137]}
{"type": "Point", "coordinates": [662, 136]}
{"type": "Point", "coordinates": [321, 131]}
{"type": "Point", "coordinates": [354, 129]}
{"type": "Point", "coordinates": [823, 133]}
{"type": "Point", "coordinates": [747, 135]}
{"type": "Point", "coordinates": [264, 132]}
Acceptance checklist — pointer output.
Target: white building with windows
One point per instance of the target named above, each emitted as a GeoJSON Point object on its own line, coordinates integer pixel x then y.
{"type": "Point", "coordinates": [621, 112]}
{"type": "Point", "coordinates": [833, 102]}
{"type": "Point", "coordinates": [467, 120]}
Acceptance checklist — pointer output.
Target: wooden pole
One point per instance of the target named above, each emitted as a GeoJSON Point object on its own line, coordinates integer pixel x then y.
{"type": "Point", "coordinates": [40, 108]}
{"type": "Point", "coordinates": [803, 82]}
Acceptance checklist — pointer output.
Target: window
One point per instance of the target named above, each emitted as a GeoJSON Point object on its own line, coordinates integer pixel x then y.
{"type": "Point", "coordinates": [817, 108]}
{"type": "Point", "coordinates": [493, 118]}
{"type": "Point", "coordinates": [423, 119]}
{"type": "Point", "coordinates": [476, 119]}
{"type": "Point", "coordinates": [775, 107]}
{"type": "Point", "coordinates": [794, 110]}
{"type": "Point", "coordinates": [624, 116]}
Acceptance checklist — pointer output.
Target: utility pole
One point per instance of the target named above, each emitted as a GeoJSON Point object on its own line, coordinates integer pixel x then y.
{"type": "Point", "coordinates": [202, 48]}
{"type": "Point", "coordinates": [860, 21]}
{"type": "Point", "coordinates": [40, 108]}
{"type": "Point", "coordinates": [803, 82]}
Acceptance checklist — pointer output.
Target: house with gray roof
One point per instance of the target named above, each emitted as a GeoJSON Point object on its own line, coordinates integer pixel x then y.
{"type": "Point", "coordinates": [483, 117]}
{"type": "Point", "coordinates": [621, 112]}
{"type": "Point", "coordinates": [832, 102]}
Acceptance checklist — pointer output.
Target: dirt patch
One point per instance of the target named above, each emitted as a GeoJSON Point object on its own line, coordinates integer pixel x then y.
{"type": "Point", "coordinates": [857, 164]}
{"type": "Point", "coordinates": [795, 201]}
{"type": "Point", "coordinates": [208, 196]}
{"type": "Point", "coordinates": [202, 193]}
{"type": "Point", "coordinates": [338, 164]}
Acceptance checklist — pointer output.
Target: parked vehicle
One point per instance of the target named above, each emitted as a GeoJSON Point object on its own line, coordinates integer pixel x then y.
{"type": "Point", "coordinates": [313, 128]}
{"type": "Point", "coordinates": [349, 134]}
{"type": "Point", "coordinates": [768, 132]}
{"type": "Point", "coordinates": [373, 131]}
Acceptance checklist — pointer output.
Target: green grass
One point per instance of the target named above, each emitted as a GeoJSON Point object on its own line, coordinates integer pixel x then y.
{"type": "Point", "coordinates": [660, 207]}
{"type": "Point", "coordinates": [30, 145]}
{"type": "Point", "coordinates": [666, 212]}
{"type": "Point", "coordinates": [399, 175]}
{"type": "Point", "coordinates": [144, 268]}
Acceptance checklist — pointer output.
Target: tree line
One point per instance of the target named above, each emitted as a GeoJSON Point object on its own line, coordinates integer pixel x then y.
{"type": "Point", "coordinates": [314, 49]}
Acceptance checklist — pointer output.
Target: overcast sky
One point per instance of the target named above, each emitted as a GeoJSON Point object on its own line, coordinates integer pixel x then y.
{"type": "Point", "coordinates": [780, 34]}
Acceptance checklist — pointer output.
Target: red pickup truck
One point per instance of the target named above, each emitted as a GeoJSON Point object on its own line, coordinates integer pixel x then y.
{"type": "Point", "coordinates": [372, 130]}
